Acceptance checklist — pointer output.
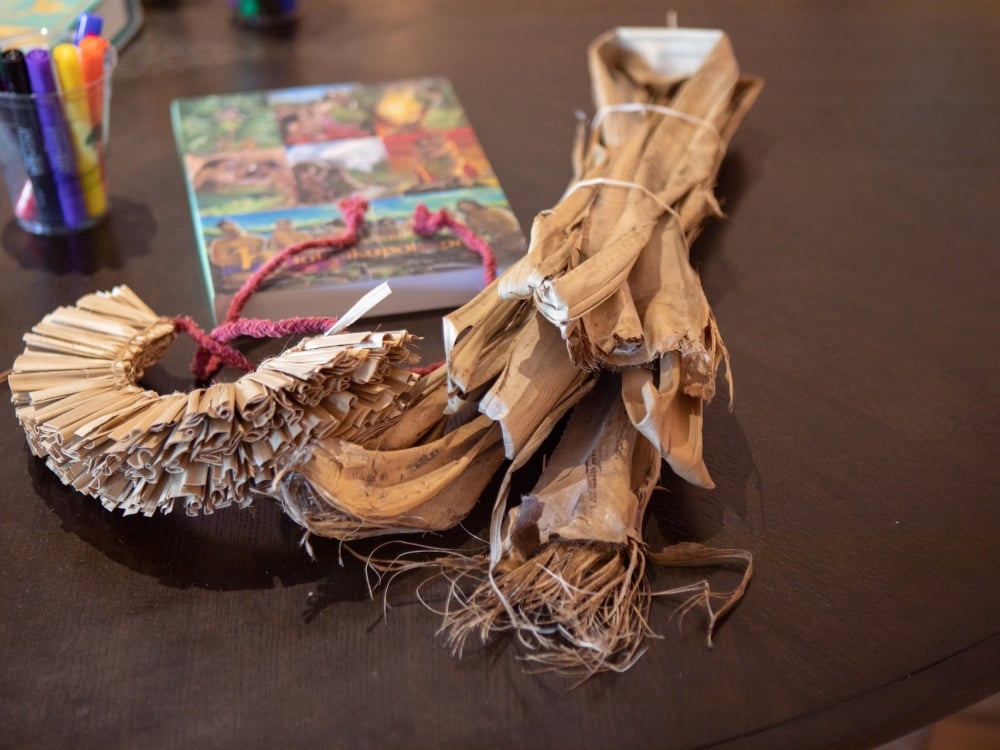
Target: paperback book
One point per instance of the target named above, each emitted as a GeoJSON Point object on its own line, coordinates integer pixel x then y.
{"type": "Point", "coordinates": [267, 169]}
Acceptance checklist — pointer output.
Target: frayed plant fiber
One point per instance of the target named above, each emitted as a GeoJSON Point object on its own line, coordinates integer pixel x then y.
{"type": "Point", "coordinates": [574, 607]}
{"type": "Point", "coordinates": [577, 608]}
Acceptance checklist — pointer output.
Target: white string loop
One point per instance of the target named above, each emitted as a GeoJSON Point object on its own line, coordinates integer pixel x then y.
{"type": "Point", "coordinates": [623, 184]}
{"type": "Point", "coordinates": [658, 108]}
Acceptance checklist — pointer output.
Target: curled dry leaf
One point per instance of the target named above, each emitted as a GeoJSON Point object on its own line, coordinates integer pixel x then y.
{"type": "Point", "coordinates": [347, 491]}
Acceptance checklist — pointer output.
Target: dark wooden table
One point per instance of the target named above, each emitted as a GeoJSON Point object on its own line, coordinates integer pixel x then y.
{"type": "Point", "coordinates": [855, 281]}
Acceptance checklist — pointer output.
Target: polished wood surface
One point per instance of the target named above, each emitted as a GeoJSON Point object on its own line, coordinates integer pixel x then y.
{"type": "Point", "coordinates": [855, 283]}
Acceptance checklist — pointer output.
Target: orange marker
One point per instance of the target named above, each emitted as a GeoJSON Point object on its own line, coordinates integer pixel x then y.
{"type": "Point", "coordinates": [92, 52]}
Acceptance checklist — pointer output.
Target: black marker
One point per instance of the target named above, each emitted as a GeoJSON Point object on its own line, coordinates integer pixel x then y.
{"type": "Point", "coordinates": [29, 138]}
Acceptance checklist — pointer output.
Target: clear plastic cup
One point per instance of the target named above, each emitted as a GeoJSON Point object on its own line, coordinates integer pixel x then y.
{"type": "Point", "coordinates": [54, 147]}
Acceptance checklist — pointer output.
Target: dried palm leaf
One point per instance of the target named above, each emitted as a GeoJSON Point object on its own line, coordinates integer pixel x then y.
{"type": "Point", "coordinates": [343, 490]}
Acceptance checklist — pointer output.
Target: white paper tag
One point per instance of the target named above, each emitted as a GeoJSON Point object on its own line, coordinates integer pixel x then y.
{"type": "Point", "coordinates": [360, 308]}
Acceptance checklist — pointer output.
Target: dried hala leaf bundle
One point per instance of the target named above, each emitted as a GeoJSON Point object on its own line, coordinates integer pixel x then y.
{"type": "Point", "coordinates": [608, 268]}
{"type": "Point", "coordinates": [76, 394]}
{"type": "Point", "coordinates": [609, 264]}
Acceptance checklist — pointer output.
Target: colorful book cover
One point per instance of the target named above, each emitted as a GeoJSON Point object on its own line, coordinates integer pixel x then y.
{"type": "Point", "coordinates": [21, 19]}
{"type": "Point", "coordinates": [266, 169]}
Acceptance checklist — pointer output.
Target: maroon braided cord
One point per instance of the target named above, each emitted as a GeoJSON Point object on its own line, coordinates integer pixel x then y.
{"type": "Point", "coordinates": [352, 209]}
{"type": "Point", "coordinates": [222, 352]}
{"type": "Point", "coordinates": [213, 348]}
{"type": "Point", "coordinates": [427, 224]}
{"type": "Point", "coordinates": [259, 328]}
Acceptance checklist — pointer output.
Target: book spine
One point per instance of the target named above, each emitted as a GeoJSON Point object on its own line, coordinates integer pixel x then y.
{"type": "Point", "coordinates": [206, 267]}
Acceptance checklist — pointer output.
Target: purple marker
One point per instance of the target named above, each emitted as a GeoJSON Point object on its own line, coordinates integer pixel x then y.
{"type": "Point", "coordinates": [55, 135]}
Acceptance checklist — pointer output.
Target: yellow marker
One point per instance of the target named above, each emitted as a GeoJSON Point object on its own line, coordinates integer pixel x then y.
{"type": "Point", "coordinates": [70, 74]}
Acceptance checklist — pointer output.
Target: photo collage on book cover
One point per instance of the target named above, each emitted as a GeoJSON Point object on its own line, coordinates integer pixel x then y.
{"type": "Point", "coordinates": [269, 168]}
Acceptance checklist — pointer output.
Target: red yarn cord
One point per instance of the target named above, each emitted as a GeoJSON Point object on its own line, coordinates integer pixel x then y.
{"type": "Point", "coordinates": [427, 224]}
{"type": "Point", "coordinates": [352, 209]}
{"type": "Point", "coordinates": [208, 360]}
{"type": "Point", "coordinates": [259, 328]}
{"type": "Point", "coordinates": [214, 350]}
{"type": "Point", "coordinates": [226, 354]}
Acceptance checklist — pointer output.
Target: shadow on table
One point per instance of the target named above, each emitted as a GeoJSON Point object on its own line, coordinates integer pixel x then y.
{"type": "Point", "coordinates": [233, 549]}
{"type": "Point", "coordinates": [681, 512]}
{"type": "Point", "coordinates": [86, 252]}
{"type": "Point", "coordinates": [716, 268]}
{"type": "Point", "coordinates": [733, 510]}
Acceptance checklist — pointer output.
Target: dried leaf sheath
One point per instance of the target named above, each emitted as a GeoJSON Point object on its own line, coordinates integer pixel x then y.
{"type": "Point", "coordinates": [596, 483]}
{"type": "Point", "coordinates": [668, 417]}
{"type": "Point", "coordinates": [570, 583]}
{"type": "Point", "coordinates": [537, 376]}
{"type": "Point", "coordinates": [346, 491]}
{"type": "Point", "coordinates": [579, 256]}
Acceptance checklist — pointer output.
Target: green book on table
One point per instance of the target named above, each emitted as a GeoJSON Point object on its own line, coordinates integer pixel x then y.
{"type": "Point", "coordinates": [266, 169]}
{"type": "Point", "coordinates": [24, 19]}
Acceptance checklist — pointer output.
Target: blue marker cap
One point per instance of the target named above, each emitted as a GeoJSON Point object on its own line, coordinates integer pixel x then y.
{"type": "Point", "coordinates": [89, 24]}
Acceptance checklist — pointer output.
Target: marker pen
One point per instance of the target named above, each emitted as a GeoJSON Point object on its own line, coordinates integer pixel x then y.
{"type": "Point", "coordinates": [92, 53]}
{"type": "Point", "coordinates": [56, 138]}
{"type": "Point", "coordinates": [67, 63]}
{"type": "Point", "coordinates": [88, 24]}
{"type": "Point", "coordinates": [30, 140]}
{"type": "Point", "coordinates": [265, 15]}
